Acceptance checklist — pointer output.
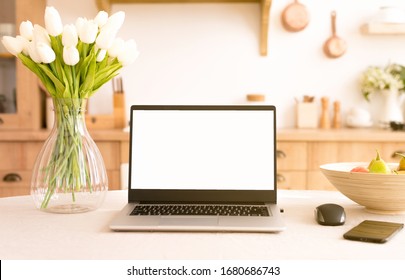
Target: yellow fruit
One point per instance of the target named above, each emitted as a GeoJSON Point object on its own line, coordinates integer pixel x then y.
{"type": "Point", "coordinates": [401, 165]}
{"type": "Point", "coordinates": [378, 165]}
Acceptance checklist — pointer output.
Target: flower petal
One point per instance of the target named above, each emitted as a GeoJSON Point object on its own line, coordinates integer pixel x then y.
{"type": "Point", "coordinates": [70, 55]}
{"type": "Point", "coordinates": [129, 53]}
{"type": "Point", "coordinates": [45, 52]}
{"type": "Point", "coordinates": [53, 22]}
{"type": "Point", "coordinates": [88, 32]}
{"type": "Point", "coordinates": [69, 36]}
{"type": "Point", "coordinates": [27, 29]}
{"type": "Point", "coordinates": [101, 18]}
{"type": "Point", "coordinates": [13, 45]}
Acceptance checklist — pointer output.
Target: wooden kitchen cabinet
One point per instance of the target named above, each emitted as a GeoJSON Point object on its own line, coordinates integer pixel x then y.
{"type": "Point", "coordinates": [329, 146]}
{"type": "Point", "coordinates": [19, 149]}
{"type": "Point", "coordinates": [291, 165]}
{"type": "Point", "coordinates": [20, 84]}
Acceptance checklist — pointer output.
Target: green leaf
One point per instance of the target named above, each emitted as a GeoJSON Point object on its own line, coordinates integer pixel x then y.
{"type": "Point", "coordinates": [31, 65]}
{"type": "Point", "coordinates": [87, 87]}
{"type": "Point", "coordinates": [67, 92]}
{"type": "Point", "coordinates": [59, 86]}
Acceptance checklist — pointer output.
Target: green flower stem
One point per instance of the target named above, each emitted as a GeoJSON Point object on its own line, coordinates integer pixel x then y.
{"type": "Point", "coordinates": [67, 170]}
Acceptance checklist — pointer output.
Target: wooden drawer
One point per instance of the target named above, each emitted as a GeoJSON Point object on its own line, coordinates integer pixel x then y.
{"type": "Point", "coordinates": [317, 181]}
{"type": "Point", "coordinates": [22, 185]}
{"type": "Point", "coordinates": [110, 152]}
{"type": "Point", "coordinates": [291, 156]}
{"type": "Point", "coordinates": [291, 180]}
{"type": "Point", "coordinates": [11, 156]}
{"type": "Point", "coordinates": [330, 152]}
{"type": "Point", "coordinates": [389, 150]}
{"type": "Point", "coordinates": [14, 182]}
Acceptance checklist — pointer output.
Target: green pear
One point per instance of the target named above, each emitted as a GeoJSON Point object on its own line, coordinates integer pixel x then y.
{"type": "Point", "coordinates": [378, 165]}
{"type": "Point", "coordinates": [401, 165]}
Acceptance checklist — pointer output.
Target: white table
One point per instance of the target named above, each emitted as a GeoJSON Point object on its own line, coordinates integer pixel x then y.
{"type": "Point", "coordinates": [27, 233]}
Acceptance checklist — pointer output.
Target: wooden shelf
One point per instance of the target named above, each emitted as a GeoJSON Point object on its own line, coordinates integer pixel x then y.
{"type": "Point", "coordinates": [6, 55]}
{"type": "Point", "coordinates": [265, 6]}
{"type": "Point", "coordinates": [383, 29]}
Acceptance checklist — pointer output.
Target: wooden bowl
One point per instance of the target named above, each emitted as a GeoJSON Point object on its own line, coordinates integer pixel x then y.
{"type": "Point", "coordinates": [379, 193]}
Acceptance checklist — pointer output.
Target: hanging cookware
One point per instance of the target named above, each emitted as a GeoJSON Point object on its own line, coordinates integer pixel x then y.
{"type": "Point", "coordinates": [335, 46]}
{"type": "Point", "coordinates": [295, 17]}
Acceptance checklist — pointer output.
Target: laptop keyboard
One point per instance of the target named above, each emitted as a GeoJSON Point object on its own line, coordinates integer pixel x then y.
{"type": "Point", "coordinates": [198, 210]}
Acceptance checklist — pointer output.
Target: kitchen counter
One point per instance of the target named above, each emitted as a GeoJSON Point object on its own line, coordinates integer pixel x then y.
{"type": "Point", "coordinates": [341, 134]}
{"type": "Point", "coordinates": [27, 233]}
{"type": "Point", "coordinates": [42, 135]}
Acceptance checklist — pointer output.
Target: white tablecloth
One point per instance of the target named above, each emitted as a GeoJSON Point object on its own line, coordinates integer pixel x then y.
{"type": "Point", "coordinates": [27, 233]}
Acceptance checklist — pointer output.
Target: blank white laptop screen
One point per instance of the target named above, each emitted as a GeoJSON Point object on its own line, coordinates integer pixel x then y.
{"type": "Point", "coordinates": [203, 149]}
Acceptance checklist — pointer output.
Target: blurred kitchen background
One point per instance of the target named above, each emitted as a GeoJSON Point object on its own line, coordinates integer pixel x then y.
{"type": "Point", "coordinates": [208, 53]}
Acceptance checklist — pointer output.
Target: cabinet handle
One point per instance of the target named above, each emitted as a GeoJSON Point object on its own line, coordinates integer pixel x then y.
{"type": "Point", "coordinates": [280, 178]}
{"type": "Point", "coordinates": [280, 154]}
{"type": "Point", "coordinates": [12, 177]}
{"type": "Point", "coordinates": [394, 154]}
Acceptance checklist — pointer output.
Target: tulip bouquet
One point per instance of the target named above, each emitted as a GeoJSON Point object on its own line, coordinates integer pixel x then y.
{"type": "Point", "coordinates": [73, 61]}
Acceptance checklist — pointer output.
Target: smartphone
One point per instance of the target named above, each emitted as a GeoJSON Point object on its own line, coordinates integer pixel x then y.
{"type": "Point", "coordinates": [373, 231]}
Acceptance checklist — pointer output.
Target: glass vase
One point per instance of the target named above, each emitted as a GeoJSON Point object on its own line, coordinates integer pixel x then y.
{"type": "Point", "coordinates": [69, 175]}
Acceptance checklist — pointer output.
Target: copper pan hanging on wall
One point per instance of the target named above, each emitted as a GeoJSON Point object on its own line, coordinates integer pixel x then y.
{"type": "Point", "coordinates": [295, 17]}
{"type": "Point", "coordinates": [335, 46]}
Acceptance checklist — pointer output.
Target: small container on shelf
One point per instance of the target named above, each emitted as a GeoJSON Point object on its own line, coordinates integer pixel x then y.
{"type": "Point", "coordinates": [256, 98]}
{"type": "Point", "coordinates": [306, 113]}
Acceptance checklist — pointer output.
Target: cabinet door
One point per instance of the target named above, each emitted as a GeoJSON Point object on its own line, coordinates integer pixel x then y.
{"type": "Point", "coordinates": [317, 181]}
{"type": "Point", "coordinates": [322, 152]}
{"type": "Point", "coordinates": [22, 85]}
{"type": "Point", "coordinates": [330, 152]}
{"type": "Point", "coordinates": [291, 180]}
{"type": "Point", "coordinates": [291, 156]}
{"type": "Point", "coordinates": [389, 150]}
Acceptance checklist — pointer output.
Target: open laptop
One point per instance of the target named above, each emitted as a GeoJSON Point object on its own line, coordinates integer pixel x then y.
{"type": "Point", "coordinates": [201, 168]}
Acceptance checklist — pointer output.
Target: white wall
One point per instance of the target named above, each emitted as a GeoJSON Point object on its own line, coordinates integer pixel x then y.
{"type": "Point", "coordinates": [209, 53]}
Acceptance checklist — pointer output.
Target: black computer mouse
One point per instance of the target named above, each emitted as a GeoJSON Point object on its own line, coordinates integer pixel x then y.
{"type": "Point", "coordinates": [330, 214]}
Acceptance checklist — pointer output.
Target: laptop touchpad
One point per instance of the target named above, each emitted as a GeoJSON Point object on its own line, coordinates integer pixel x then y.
{"type": "Point", "coordinates": [188, 221]}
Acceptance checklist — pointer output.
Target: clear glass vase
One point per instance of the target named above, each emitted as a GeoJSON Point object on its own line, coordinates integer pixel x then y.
{"type": "Point", "coordinates": [69, 175]}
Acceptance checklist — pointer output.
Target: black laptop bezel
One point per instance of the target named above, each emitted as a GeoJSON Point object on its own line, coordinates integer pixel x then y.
{"type": "Point", "coordinates": [201, 196]}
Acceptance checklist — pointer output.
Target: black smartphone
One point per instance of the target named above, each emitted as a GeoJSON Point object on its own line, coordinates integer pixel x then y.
{"type": "Point", "coordinates": [373, 231]}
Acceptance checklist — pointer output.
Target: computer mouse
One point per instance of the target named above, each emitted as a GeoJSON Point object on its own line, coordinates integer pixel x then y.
{"type": "Point", "coordinates": [330, 214]}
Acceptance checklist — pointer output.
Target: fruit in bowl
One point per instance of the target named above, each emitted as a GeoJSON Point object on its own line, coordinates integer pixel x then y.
{"type": "Point", "coordinates": [378, 165]}
{"type": "Point", "coordinates": [380, 192]}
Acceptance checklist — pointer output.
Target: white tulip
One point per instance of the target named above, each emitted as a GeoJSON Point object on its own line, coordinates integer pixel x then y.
{"type": "Point", "coordinates": [32, 51]}
{"type": "Point", "coordinates": [115, 21]}
{"type": "Point", "coordinates": [45, 52]}
{"type": "Point", "coordinates": [80, 23]}
{"type": "Point", "coordinates": [101, 18]}
{"type": "Point", "coordinates": [106, 38]}
{"type": "Point", "coordinates": [129, 53]}
{"type": "Point", "coordinates": [24, 41]}
{"type": "Point", "coordinates": [101, 55]}
{"type": "Point", "coordinates": [13, 45]}
{"type": "Point", "coordinates": [71, 55]}
{"type": "Point", "coordinates": [69, 36]}
{"type": "Point", "coordinates": [88, 32]}
{"type": "Point", "coordinates": [26, 30]}
{"type": "Point", "coordinates": [53, 22]}
{"type": "Point", "coordinates": [41, 35]}
{"type": "Point", "coordinates": [116, 48]}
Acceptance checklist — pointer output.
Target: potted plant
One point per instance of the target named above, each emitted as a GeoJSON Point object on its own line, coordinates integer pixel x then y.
{"type": "Point", "coordinates": [388, 82]}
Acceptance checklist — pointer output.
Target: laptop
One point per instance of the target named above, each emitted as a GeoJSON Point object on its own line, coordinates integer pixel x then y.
{"type": "Point", "coordinates": [201, 168]}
